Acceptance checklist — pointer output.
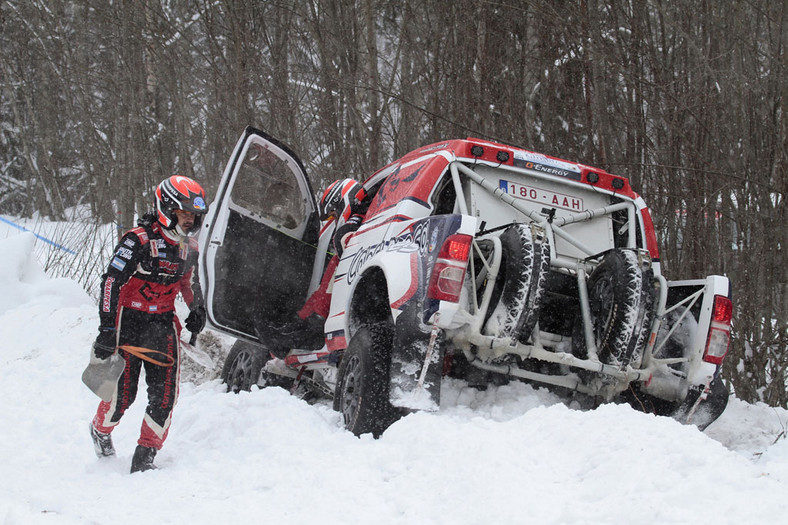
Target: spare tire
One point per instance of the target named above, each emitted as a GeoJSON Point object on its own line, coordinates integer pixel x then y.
{"type": "Point", "coordinates": [622, 298]}
{"type": "Point", "coordinates": [525, 262]}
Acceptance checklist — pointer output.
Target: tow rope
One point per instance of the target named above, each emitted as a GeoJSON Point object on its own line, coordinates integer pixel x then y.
{"type": "Point", "coordinates": [148, 354]}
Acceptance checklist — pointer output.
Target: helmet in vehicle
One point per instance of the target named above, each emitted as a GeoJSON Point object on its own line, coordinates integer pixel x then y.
{"type": "Point", "coordinates": [338, 199]}
{"type": "Point", "coordinates": [179, 193]}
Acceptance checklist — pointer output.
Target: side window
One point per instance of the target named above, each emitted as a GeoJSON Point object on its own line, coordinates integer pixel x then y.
{"type": "Point", "coordinates": [266, 187]}
{"type": "Point", "coordinates": [445, 196]}
{"type": "Point", "coordinates": [621, 227]}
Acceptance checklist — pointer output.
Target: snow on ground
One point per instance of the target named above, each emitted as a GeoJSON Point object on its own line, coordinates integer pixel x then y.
{"type": "Point", "coordinates": [511, 454]}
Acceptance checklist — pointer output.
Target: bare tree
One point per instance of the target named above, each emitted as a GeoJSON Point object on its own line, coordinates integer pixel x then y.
{"type": "Point", "coordinates": [101, 101]}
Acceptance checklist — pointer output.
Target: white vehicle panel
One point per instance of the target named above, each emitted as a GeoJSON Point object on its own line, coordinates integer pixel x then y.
{"type": "Point", "coordinates": [538, 194]}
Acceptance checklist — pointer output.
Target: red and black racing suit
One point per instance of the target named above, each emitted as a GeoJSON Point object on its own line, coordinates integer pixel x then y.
{"type": "Point", "coordinates": [320, 301]}
{"type": "Point", "coordinates": [138, 291]}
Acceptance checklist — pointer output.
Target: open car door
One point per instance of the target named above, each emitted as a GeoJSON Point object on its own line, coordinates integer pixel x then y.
{"type": "Point", "coordinates": [259, 240]}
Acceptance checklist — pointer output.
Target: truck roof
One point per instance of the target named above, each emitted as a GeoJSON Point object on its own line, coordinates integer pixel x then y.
{"type": "Point", "coordinates": [474, 149]}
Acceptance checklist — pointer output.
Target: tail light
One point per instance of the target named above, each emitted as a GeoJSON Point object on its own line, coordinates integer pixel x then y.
{"type": "Point", "coordinates": [449, 271]}
{"type": "Point", "coordinates": [720, 332]}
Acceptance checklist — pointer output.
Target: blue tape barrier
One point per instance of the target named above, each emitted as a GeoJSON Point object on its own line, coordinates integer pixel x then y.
{"type": "Point", "coordinates": [48, 241]}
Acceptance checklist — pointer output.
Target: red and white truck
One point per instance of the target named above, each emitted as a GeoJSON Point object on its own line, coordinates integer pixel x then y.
{"type": "Point", "coordinates": [476, 260]}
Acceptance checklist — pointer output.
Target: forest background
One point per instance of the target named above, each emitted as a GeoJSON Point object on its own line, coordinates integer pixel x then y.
{"type": "Point", "coordinates": [100, 100]}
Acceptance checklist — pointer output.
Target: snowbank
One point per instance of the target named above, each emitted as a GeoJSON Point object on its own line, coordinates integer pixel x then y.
{"type": "Point", "coordinates": [511, 454]}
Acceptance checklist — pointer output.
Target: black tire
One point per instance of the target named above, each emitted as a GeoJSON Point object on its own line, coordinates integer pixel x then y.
{"type": "Point", "coordinates": [618, 289]}
{"type": "Point", "coordinates": [362, 392]}
{"type": "Point", "coordinates": [524, 266]}
{"type": "Point", "coordinates": [242, 366]}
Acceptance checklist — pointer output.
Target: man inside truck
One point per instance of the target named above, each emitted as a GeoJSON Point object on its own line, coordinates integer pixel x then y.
{"type": "Point", "coordinates": [342, 210]}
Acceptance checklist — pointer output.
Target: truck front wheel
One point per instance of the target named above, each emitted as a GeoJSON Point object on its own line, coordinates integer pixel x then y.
{"type": "Point", "coordinates": [362, 393]}
{"type": "Point", "coordinates": [242, 366]}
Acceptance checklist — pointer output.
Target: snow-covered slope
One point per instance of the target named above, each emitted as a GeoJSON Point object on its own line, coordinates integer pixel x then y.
{"type": "Point", "coordinates": [511, 454]}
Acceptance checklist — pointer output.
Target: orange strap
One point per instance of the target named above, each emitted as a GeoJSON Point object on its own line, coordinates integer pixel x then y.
{"type": "Point", "coordinates": [147, 354]}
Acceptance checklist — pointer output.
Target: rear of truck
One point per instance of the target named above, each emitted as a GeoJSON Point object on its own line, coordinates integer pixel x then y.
{"type": "Point", "coordinates": [553, 325]}
{"type": "Point", "coordinates": [490, 262]}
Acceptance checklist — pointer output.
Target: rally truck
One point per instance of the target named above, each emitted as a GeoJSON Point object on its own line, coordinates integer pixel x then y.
{"type": "Point", "coordinates": [475, 260]}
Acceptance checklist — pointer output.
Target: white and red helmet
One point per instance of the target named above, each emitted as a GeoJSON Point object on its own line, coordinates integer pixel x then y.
{"type": "Point", "coordinates": [179, 193]}
{"type": "Point", "coordinates": [338, 199]}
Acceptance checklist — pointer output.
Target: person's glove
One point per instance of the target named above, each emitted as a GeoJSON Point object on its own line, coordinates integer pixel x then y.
{"type": "Point", "coordinates": [195, 322]}
{"type": "Point", "coordinates": [104, 346]}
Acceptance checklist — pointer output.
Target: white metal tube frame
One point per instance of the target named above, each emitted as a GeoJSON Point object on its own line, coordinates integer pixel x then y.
{"type": "Point", "coordinates": [553, 226]}
{"type": "Point", "coordinates": [502, 346]}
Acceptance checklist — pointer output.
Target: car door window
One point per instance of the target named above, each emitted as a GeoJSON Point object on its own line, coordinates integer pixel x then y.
{"type": "Point", "coordinates": [269, 189]}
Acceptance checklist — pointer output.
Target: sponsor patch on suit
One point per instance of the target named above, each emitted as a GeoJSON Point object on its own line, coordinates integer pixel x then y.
{"type": "Point", "coordinates": [118, 263]}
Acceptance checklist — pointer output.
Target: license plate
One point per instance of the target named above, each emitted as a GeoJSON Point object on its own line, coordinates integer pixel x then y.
{"type": "Point", "coordinates": [551, 199]}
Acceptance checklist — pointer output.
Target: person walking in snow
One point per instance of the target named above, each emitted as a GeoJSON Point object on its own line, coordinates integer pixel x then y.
{"type": "Point", "coordinates": [150, 266]}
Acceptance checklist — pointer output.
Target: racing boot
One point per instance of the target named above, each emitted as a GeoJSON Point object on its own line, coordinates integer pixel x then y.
{"type": "Point", "coordinates": [306, 334]}
{"type": "Point", "coordinates": [102, 443]}
{"type": "Point", "coordinates": [143, 459]}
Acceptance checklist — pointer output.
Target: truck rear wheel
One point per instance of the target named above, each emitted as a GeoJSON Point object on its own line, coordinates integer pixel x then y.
{"type": "Point", "coordinates": [524, 265]}
{"type": "Point", "coordinates": [362, 393]}
{"type": "Point", "coordinates": [622, 300]}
